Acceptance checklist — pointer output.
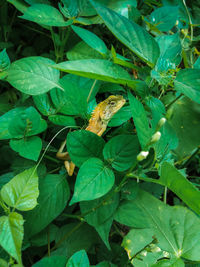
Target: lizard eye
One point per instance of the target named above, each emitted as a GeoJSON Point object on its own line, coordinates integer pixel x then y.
{"type": "Point", "coordinates": [112, 103]}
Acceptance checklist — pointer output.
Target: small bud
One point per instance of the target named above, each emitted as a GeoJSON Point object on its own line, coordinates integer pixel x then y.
{"type": "Point", "coordinates": [161, 122]}
{"type": "Point", "coordinates": [155, 138]}
{"type": "Point", "coordinates": [142, 155]}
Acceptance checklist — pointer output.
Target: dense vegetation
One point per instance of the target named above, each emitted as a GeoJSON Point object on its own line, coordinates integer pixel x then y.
{"type": "Point", "coordinates": [134, 197]}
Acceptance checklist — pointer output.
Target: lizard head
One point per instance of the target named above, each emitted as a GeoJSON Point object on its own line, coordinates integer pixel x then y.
{"type": "Point", "coordinates": [110, 106]}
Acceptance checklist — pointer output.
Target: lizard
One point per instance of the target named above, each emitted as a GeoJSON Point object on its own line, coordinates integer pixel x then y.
{"type": "Point", "coordinates": [98, 122]}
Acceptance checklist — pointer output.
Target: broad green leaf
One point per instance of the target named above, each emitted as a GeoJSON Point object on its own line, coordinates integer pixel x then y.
{"type": "Point", "coordinates": [123, 115]}
{"type": "Point", "coordinates": [164, 18]}
{"type": "Point", "coordinates": [188, 82]}
{"type": "Point", "coordinates": [11, 234]}
{"type": "Point", "coordinates": [185, 122]}
{"type": "Point", "coordinates": [52, 261]}
{"type": "Point", "coordinates": [46, 15]}
{"type": "Point", "coordinates": [136, 240]}
{"type": "Point", "coordinates": [41, 239]}
{"type": "Point", "coordinates": [73, 100]}
{"type": "Point", "coordinates": [81, 237]}
{"type": "Point", "coordinates": [171, 263]}
{"type": "Point", "coordinates": [79, 259]}
{"type": "Point", "coordinates": [22, 191]}
{"type": "Point", "coordinates": [101, 216]}
{"type": "Point", "coordinates": [62, 120]}
{"type": "Point", "coordinates": [126, 216]}
{"type": "Point", "coordinates": [106, 208]}
{"type": "Point", "coordinates": [94, 180]}
{"type": "Point", "coordinates": [54, 194]}
{"type": "Point", "coordinates": [33, 76]}
{"type": "Point", "coordinates": [44, 104]}
{"type": "Point", "coordinates": [121, 151]}
{"type": "Point", "coordinates": [83, 51]}
{"type": "Point", "coordinates": [26, 123]}
{"type": "Point", "coordinates": [197, 63]}
{"type": "Point", "coordinates": [170, 50]}
{"type": "Point", "coordinates": [91, 39]}
{"type": "Point", "coordinates": [6, 119]}
{"type": "Point", "coordinates": [83, 145]}
{"type": "Point", "coordinates": [136, 38]}
{"type": "Point", "coordinates": [4, 60]}
{"type": "Point", "coordinates": [176, 229]}
{"type": "Point", "coordinates": [103, 230]}
{"type": "Point", "coordinates": [28, 148]}
{"type": "Point", "coordinates": [183, 188]}
{"type": "Point", "coordinates": [21, 6]}
{"type": "Point", "coordinates": [99, 69]}
{"type": "Point", "coordinates": [3, 263]}
{"type": "Point", "coordinates": [140, 119]}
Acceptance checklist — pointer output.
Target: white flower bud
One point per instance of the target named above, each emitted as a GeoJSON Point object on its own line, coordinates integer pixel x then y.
{"type": "Point", "coordinates": [142, 155]}
{"type": "Point", "coordinates": [155, 138]}
{"type": "Point", "coordinates": [161, 122]}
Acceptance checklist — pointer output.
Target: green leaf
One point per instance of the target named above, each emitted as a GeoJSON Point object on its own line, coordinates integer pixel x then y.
{"type": "Point", "coordinates": [185, 122]}
{"type": "Point", "coordinates": [94, 180]}
{"type": "Point", "coordinates": [79, 259]}
{"type": "Point", "coordinates": [106, 208]}
{"type": "Point", "coordinates": [33, 76]}
{"type": "Point", "coordinates": [22, 191]}
{"type": "Point", "coordinates": [171, 263]}
{"type": "Point", "coordinates": [83, 51]}
{"type": "Point", "coordinates": [176, 229]}
{"type": "Point", "coordinates": [122, 116]}
{"type": "Point", "coordinates": [83, 145]}
{"type": "Point", "coordinates": [177, 183]}
{"type": "Point", "coordinates": [99, 69]}
{"type": "Point", "coordinates": [164, 18]}
{"type": "Point", "coordinates": [121, 151]}
{"type": "Point", "coordinates": [140, 119]}
{"type": "Point", "coordinates": [43, 104]}
{"type": "Point", "coordinates": [4, 60]}
{"type": "Point", "coordinates": [73, 100]}
{"type": "Point", "coordinates": [51, 262]}
{"type": "Point", "coordinates": [54, 194]}
{"type": "Point", "coordinates": [91, 39]}
{"type": "Point", "coordinates": [130, 34]}
{"type": "Point", "coordinates": [46, 15]}
{"type": "Point", "coordinates": [62, 120]}
{"type": "Point", "coordinates": [11, 234]}
{"type": "Point", "coordinates": [126, 216]}
{"type": "Point", "coordinates": [26, 123]}
{"type": "Point", "coordinates": [43, 237]}
{"type": "Point", "coordinates": [6, 119]}
{"type": "Point", "coordinates": [101, 216]}
{"type": "Point", "coordinates": [81, 237]}
{"type": "Point", "coordinates": [136, 240]}
{"type": "Point", "coordinates": [187, 82]}
{"type": "Point", "coordinates": [3, 263]}
{"type": "Point", "coordinates": [28, 148]}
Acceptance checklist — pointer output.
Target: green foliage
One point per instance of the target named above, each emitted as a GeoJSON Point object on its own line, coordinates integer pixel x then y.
{"type": "Point", "coordinates": [133, 198]}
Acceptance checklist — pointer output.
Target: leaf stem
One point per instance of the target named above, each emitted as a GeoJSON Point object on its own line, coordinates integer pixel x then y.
{"type": "Point", "coordinates": [165, 195]}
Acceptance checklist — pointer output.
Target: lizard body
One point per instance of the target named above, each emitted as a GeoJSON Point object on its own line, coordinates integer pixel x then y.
{"type": "Point", "coordinates": [101, 116]}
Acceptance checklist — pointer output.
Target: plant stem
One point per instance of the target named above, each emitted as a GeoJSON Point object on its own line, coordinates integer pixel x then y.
{"type": "Point", "coordinates": [190, 158]}
{"type": "Point", "coordinates": [67, 235]}
{"type": "Point", "coordinates": [171, 103]}
{"type": "Point", "coordinates": [165, 195]}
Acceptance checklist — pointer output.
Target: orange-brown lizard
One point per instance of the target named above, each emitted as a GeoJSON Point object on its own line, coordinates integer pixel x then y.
{"type": "Point", "coordinates": [101, 116]}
